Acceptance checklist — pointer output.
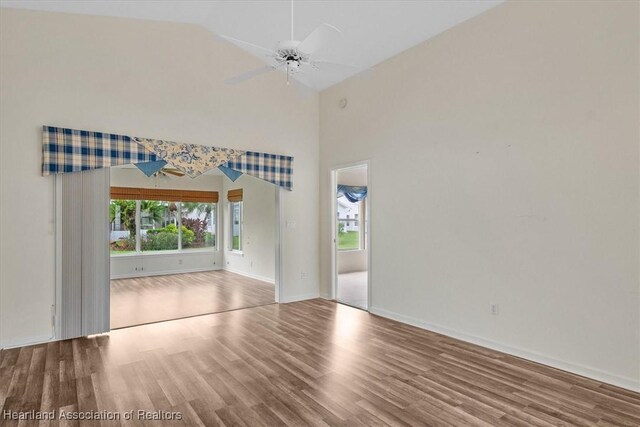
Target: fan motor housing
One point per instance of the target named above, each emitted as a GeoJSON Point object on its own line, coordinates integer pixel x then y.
{"type": "Point", "coordinates": [288, 55]}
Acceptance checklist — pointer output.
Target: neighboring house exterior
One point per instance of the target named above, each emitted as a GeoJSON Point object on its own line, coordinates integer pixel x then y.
{"type": "Point", "coordinates": [348, 211]}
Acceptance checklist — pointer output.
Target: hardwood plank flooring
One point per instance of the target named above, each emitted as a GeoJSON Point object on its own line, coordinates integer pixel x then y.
{"type": "Point", "coordinates": [306, 363]}
{"type": "Point", "coordinates": [137, 301]}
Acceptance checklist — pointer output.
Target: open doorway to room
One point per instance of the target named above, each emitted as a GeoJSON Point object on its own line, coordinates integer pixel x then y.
{"type": "Point", "coordinates": [351, 210]}
{"type": "Point", "coordinates": [184, 246]}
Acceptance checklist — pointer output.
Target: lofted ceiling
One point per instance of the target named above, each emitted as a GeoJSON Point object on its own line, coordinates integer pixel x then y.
{"type": "Point", "coordinates": [372, 31]}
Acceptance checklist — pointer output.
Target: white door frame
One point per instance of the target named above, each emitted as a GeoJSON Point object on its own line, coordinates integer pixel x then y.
{"type": "Point", "coordinates": [278, 241]}
{"type": "Point", "coordinates": [334, 226]}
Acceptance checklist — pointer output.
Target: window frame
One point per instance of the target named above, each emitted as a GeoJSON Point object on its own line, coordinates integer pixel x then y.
{"type": "Point", "coordinates": [138, 235]}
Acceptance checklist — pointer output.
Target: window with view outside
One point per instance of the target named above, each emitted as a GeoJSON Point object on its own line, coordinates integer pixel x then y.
{"type": "Point", "coordinates": [348, 223]}
{"type": "Point", "coordinates": [158, 226]}
{"type": "Point", "coordinates": [236, 225]}
{"type": "Point", "coordinates": [122, 234]}
{"type": "Point", "coordinates": [199, 220]}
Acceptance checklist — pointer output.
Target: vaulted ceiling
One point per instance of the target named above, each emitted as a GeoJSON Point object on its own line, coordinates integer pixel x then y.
{"type": "Point", "coordinates": [372, 31]}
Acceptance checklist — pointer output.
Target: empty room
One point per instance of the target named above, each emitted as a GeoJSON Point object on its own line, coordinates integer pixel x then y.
{"type": "Point", "coordinates": [323, 213]}
{"type": "Point", "coordinates": [179, 249]}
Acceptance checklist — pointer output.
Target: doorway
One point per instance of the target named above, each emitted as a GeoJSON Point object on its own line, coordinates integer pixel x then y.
{"type": "Point", "coordinates": [182, 247]}
{"type": "Point", "coordinates": [351, 242]}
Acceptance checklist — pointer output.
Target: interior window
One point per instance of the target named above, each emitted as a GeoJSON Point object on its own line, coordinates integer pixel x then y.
{"type": "Point", "coordinates": [122, 228]}
{"type": "Point", "coordinates": [236, 225]}
{"type": "Point", "coordinates": [349, 225]}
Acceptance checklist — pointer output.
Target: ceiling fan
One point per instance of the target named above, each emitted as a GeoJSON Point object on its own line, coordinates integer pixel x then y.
{"type": "Point", "coordinates": [169, 171]}
{"type": "Point", "coordinates": [292, 56]}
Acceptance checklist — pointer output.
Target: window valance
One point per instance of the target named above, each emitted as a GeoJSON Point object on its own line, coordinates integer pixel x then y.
{"type": "Point", "coordinates": [353, 193]}
{"type": "Point", "coordinates": [130, 193]}
{"type": "Point", "coordinates": [234, 195]}
{"type": "Point", "coordinates": [70, 150]}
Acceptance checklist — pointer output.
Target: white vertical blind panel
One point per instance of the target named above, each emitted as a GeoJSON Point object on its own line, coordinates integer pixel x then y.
{"type": "Point", "coordinates": [95, 251]}
{"type": "Point", "coordinates": [71, 256]}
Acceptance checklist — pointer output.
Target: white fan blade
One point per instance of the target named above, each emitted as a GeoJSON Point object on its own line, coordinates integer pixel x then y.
{"type": "Point", "coordinates": [254, 47]}
{"type": "Point", "coordinates": [248, 75]}
{"type": "Point", "coordinates": [317, 38]}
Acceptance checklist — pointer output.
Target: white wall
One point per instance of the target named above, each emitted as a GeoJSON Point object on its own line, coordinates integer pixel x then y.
{"type": "Point", "coordinates": [352, 261]}
{"type": "Point", "coordinates": [258, 229]}
{"type": "Point", "coordinates": [141, 78]}
{"type": "Point", "coordinates": [514, 138]}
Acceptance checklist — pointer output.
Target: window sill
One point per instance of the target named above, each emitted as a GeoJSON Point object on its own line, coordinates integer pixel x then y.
{"type": "Point", "coordinates": [236, 252]}
{"type": "Point", "coordinates": [176, 252]}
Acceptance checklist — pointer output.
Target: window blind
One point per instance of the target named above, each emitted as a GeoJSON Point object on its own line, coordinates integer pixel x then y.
{"type": "Point", "coordinates": [132, 193]}
{"type": "Point", "coordinates": [235, 195]}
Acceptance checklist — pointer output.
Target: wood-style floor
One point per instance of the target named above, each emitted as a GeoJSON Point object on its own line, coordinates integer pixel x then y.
{"type": "Point", "coordinates": [305, 363]}
{"type": "Point", "coordinates": [151, 299]}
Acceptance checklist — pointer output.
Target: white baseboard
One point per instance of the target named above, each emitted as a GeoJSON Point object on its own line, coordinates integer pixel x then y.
{"type": "Point", "coordinates": [585, 371]}
{"type": "Point", "coordinates": [302, 297]}
{"type": "Point", "coordinates": [251, 276]}
{"type": "Point", "coordinates": [164, 273]}
{"type": "Point", "coordinates": [22, 342]}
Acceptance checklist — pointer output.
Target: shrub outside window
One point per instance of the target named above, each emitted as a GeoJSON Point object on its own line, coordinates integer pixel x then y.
{"type": "Point", "coordinates": [158, 226]}
{"type": "Point", "coordinates": [199, 220]}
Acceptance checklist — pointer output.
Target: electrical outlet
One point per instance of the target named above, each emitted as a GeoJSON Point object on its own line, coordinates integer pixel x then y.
{"type": "Point", "coordinates": [180, 261]}
{"type": "Point", "coordinates": [494, 309]}
{"type": "Point", "coordinates": [303, 274]}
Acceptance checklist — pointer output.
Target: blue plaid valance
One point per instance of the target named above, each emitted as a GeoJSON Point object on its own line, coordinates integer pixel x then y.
{"type": "Point", "coordinates": [269, 167]}
{"type": "Point", "coordinates": [71, 150]}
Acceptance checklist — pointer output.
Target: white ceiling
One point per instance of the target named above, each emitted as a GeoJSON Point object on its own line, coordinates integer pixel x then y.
{"type": "Point", "coordinates": [372, 31]}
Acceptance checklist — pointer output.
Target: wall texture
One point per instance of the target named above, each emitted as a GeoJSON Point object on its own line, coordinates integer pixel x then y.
{"type": "Point", "coordinates": [143, 78]}
{"type": "Point", "coordinates": [511, 140]}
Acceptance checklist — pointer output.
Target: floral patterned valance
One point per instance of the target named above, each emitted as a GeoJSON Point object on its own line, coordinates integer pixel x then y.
{"type": "Point", "coordinates": [191, 159]}
{"type": "Point", "coordinates": [71, 150]}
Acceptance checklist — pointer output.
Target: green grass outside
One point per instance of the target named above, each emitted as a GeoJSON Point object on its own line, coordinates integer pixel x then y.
{"type": "Point", "coordinates": [349, 240]}
{"type": "Point", "coordinates": [236, 243]}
